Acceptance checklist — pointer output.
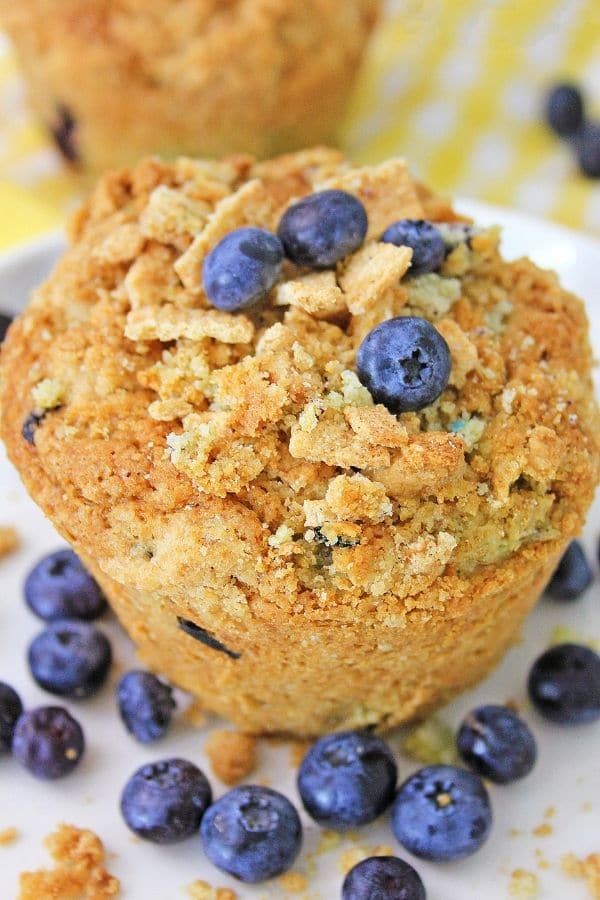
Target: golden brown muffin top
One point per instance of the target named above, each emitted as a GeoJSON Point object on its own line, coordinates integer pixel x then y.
{"type": "Point", "coordinates": [170, 431]}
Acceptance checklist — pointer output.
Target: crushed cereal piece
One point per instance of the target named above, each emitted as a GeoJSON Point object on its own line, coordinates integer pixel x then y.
{"type": "Point", "coordinates": [171, 214]}
{"type": "Point", "coordinates": [9, 540]}
{"type": "Point", "coordinates": [168, 323]}
{"type": "Point", "coordinates": [523, 885]}
{"type": "Point", "coordinates": [232, 754]}
{"type": "Point", "coordinates": [317, 294]}
{"type": "Point", "coordinates": [371, 272]}
{"type": "Point", "coordinates": [79, 872]}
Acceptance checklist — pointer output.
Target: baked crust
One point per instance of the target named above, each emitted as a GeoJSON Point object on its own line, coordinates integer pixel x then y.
{"type": "Point", "coordinates": [337, 565]}
{"type": "Point", "coordinates": [115, 81]}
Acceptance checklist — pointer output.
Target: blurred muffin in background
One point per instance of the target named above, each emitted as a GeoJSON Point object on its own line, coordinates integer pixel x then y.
{"type": "Point", "coordinates": [115, 80]}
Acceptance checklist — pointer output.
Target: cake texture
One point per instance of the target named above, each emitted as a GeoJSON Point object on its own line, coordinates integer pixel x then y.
{"type": "Point", "coordinates": [297, 556]}
{"type": "Point", "coordinates": [114, 81]}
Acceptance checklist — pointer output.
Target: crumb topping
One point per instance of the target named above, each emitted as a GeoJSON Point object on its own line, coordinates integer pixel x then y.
{"type": "Point", "coordinates": [232, 755]}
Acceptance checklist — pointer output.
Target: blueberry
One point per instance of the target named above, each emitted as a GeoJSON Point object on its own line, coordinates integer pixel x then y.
{"type": "Point", "coordinates": [323, 228]}
{"type": "Point", "coordinates": [564, 109]}
{"type": "Point", "coordinates": [64, 131]}
{"type": "Point", "coordinates": [70, 659]}
{"type": "Point", "coordinates": [404, 363]}
{"type": "Point", "coordinates": [30, 425]}
{"type": "Point", "coordinates": [572, 575]}
{"type": "Point", "coordinates": [146, 704]}
{"type": "Point", "coordinates": [10, 710]}
{"type": "Point", "coordinates": [442, 812]}
{"type": "Point", "coordinates": [587, 147]}
{"type": "Point", "coordinates": [383, 878]}
{"type": "Point", "coordinates": [5, 322]}
{"type": "Point", "coordinates": [242, 268]}
{"type": "Point", "coordinates": [497, 744]}
{"type": "Point", "coordinates": [347, 779]}
{"type": "Point", "coordinates": [426, 242]}
{"type": "Point", "coordinates": [48, 741]}
{"type": "Point", "coordinates": [252, 832]}
{"type": "Point", "coordinates": [59, 587]}
{"type": "Point", "coordinates": [164, 801]}
{"type": "Point", "coordinates": [564, 684]}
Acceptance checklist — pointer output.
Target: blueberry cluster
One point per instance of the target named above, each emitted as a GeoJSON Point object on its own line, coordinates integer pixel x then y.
{"type": "Point", "coordinates": [566, 116]}
{"type": "Point", "coordinates": [404, 362]}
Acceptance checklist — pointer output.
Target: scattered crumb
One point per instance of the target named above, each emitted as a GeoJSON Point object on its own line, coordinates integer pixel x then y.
{"type": "Point", "coordinates": [8, 836]}
{"type": "Point", "coordinates": [523, 884]}
{"type": "Point", "coordinates": [330, 840]}
{"type": "Point", "coordinates": [202, 890]}
{"type": "Point", "coordinates": [543, 830]}
{"type": "Point", "coordinates": [195, 715]}
{"type": "Point", "coordinates": [563, 634]}
{"type": "Point", "coordinates": [514, 832]}
{"type": "Point", "coordinates": [587, 806]}
{"type": "Point", "coordinates": [232, 754]}
{"type": "Point", "coordinates": [298, 750]}
{"type": "Point", "coordinates": [79, 873]}
{"type": "Point", "coordinates": [9, 540]}
{"type": "Point", "coordinates": [293, 882]}
{"type": "Point", "coordinates": [542, 862]}
{"type": "Point", "coordinates": [550, 812]}
{"type": "Point", "coordinates": [431, 742]}
{"type": "Point", "coordinates": [351, 857]}
{"type": "Point", "coordinates": [513, 704]}
{"type": "Point", "coordinates": [587, 869]}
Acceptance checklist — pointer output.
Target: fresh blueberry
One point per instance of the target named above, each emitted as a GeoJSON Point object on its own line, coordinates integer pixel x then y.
{"type": "Point", "coordinates": [252, 832]}
{"type": "Point", "coordinates": [587, 147]}
{"type": "Point", "coordinates": [146, 704]}
{"type": "Point", "coordinates": [242, 268]}
{"type": "Point", "coordinates": [564, 109]}
{"type": "Point", "coordinates": [404, 363]}
{"type": "Point", "coordinates": [564, 684]}
{"type": "Point", "coordinates": [423, 238]}
{"type": "Point", "coordinates": [572, 575]}
{"type": "Point", "coordinates": [442, 812]}
{"type": "Point", "coordinates": [323, 228]}
{"type": "Point", "coordinates": [164, 801]}
{"type": "Point", "coordinates": [383, 878]}
{"type": "Point", "coordinates": [497, 744]}
{"type": "Point", "coordinates": [347, 779]}
{"type": "Point", "coordinates": [48, 741]}
{"type": "Point", "coordinates": [10, 710]}
{"type": "Point", "coordinates": [59, 587]}
{"type": "Point", "coordinates": [70, 659]}
{"type": "Point", "coordinates": [64, 131]}
{"type": "Point", "coordinates": [5, 322]}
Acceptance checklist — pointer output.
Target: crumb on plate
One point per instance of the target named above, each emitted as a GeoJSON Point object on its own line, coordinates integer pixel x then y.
{"type": "Point", "coordinates": [232, 754]}
{"type": "Point", "coordinates": [8, 836]}
{"type": "Point", "coordinates": [523, 884]}
{"type": "Point", "coordinates": [202, 890]}
{"type": "Point", "coordinates": [9, 540]}
{"type": "Point", "coordinates": [79, 872]}
{"type": "Point", "coordinates": [587, 869]}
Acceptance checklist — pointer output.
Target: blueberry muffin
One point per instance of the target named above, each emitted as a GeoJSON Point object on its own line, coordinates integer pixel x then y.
{"type": "Point", "coordinates": [113, 81]}
{"type": "Point", "coordinates": [321, 445]}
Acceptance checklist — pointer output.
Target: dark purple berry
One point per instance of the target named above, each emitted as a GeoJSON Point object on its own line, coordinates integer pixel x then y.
{"type": "Point", "coordinates": [497, 744]}
{"type": "Point", "coordinates": [164, 801]}
{"type": "Point", "coordinates": [252, 832]}
{"type": "Point", "coordinates": [383, 878]}
{"type": "Point", "coordinates": [48, 741]}
{"type": "Point", "coordinates": [70, 659]}
{"type": "Point", "coordinates": [572, 575]}
{"type": "Point", "coordinates": [442, 813]}
{"type": "Point", "coordinates": [64, 131]}
{"type": "Point", "coordinates": [323, 228]}
{"type": "Point", "coordinates": [564, 109]}
{"type": "Point", "coordinates": [10, 710]}
{"type": "Point", "coordinates": [587, 147]}
{"type": "Point", "coordinates": [564, 684]}
{"type": "Point", "coordinates": [347, 779]}
{"type": "Point", "coordinates": [425, 240]}
{"type": "Point", "coordinates": [30, 426]}
{"type": "Point", "coordinates": [146, 705]}
{"type": "Point", "coordinates": [59, 587]}
{"type": "Point", "coordinates": [404, 363]}
{"type": "Point", "coordinates": [242, 268]}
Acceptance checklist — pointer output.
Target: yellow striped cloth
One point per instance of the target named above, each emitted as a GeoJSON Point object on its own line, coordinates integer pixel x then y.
{"type": "Point", "coordinates": [456, 86]}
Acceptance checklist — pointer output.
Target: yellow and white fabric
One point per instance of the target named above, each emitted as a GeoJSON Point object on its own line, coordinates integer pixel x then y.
{"type": "Point", "coordinates": [456, 86]}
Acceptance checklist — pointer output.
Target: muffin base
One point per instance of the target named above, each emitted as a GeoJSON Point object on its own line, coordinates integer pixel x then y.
{"type": "Point", "coordinates": [338, 676]}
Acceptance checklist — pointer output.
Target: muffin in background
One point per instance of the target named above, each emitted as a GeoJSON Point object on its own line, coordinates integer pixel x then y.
{"type": "Point", "coordinates": [114, 81]}
{"type": "Point", "coordinates": [300, 556]}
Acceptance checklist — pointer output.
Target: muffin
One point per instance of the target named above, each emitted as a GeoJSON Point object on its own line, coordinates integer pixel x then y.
{"type": "Point", "coordinates": [114, 81]}
{"type": "Point", "coordinates": [300, 551]}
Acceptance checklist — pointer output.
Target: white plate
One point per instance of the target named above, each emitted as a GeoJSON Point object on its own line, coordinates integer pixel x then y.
{"type": "Point", "coordinates": [567, 776]}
